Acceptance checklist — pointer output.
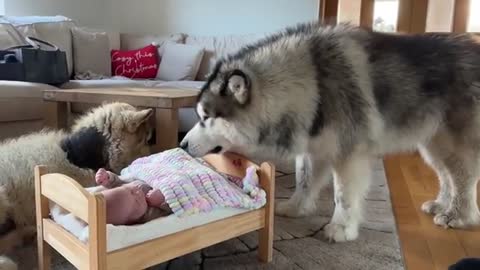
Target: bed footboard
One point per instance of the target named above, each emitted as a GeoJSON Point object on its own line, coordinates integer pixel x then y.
{"type": "Point", "coordinates": [68, 194]}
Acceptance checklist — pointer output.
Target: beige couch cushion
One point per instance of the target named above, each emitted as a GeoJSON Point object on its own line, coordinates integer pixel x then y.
{"type": "Point", "coordinates": [130, 41]}
{"type": "Point", "coordinates": [91, 52]}
{"type": "Point", "coordinates": [27, 30]}
{"type": "Point", "coordinates": [16, 89]}
{"type": "Point", "coordinates": [180, 62]}
{"type": "Point", "coordinates": [216, 47]}
{"type": "Point", "coordinates": [9, 36]}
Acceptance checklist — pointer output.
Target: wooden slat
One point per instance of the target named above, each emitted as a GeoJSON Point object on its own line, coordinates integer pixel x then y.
{"type": "Point", "coordinates": [404, 15]}
{"type": "Point", "coordinates": [97, 244]}
{"type": "Point", "coordinates": [162, 249]}
{"type": "Point", "coordinates": [419, 16]}
{"type": "Point", "coordinates": [66, 244]}
{"type": "Point", "coordinates": [67, 193]}
{"type": "Point", "coordinates": [42, 211]}
{"type": "Point", "coordinates": [328, 12]}
{"type": "Point", "coordinates": [366, 13]}
{"type": "Point", "coordinates": [460, 16]}
{"type": "Point", "coordinates": [55, 114]}
{"type": "Point", "coordinates": [265, 235]}
{"type": "Point", "coordinates": [412, 16]}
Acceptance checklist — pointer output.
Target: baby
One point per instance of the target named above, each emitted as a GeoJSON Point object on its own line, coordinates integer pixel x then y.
{"type": "Point", "coordinates": [130, 202]}
{"type": "Point", "coordinates": [167, 183]}
{"type": "Point", "coordinates": [175, 182]}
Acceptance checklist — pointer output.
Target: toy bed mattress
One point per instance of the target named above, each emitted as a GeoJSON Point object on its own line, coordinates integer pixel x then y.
{"type": "Point", "coordinates": [119, 237]}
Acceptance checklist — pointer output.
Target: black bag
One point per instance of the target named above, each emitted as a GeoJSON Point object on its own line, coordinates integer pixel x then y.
{"type": "Point", "coordinates": [33, 63]}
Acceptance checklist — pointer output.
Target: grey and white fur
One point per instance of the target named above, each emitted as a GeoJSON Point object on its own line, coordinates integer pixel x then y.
{"type": "Point", "coordinates": [336, 97]}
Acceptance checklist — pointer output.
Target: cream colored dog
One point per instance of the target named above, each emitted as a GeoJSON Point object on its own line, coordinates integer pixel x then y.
{"type": "Point", "coordinates": [110, 136]}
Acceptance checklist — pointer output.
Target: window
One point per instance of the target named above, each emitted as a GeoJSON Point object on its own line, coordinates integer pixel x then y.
{"type": "Point", "coordinates": [385, 14]}
{"type": "Point", "coordinates": [473, 24]}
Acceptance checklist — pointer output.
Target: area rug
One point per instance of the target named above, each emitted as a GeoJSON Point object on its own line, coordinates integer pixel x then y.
{"type": "Point", "coordinates": [299, 243]}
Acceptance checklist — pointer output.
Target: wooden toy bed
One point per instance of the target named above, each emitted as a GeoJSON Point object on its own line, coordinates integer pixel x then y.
{"type": "Point", "coordinates": [90, 208]}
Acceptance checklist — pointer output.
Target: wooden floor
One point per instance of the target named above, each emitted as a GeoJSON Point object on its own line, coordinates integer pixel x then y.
{"type": "Point", "coordinates": [425, 246]}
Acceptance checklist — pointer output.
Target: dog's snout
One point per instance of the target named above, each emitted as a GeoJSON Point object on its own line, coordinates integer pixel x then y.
{"type": "Point", "coordinates": [184, 145]}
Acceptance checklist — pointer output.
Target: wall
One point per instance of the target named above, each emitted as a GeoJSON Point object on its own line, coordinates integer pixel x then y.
{"type": "Point", "coordinates": [440, 16]}
{"type": "Point", "coordinates": [207, 17]}
{"type": "Point", "coordinates": [86, 12]}
{"type": "Point", "coordinates": [2, 7]}
{"type": "Point", "coordinates": [201, 17]}
{"type": "Point", "coordinates": [349, 11]}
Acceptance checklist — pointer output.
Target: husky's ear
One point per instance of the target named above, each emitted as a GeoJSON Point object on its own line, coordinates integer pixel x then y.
{"type": "Point", "coordinates": [134, 119]}
{"type": "Point", "coordinates": [239, 85]}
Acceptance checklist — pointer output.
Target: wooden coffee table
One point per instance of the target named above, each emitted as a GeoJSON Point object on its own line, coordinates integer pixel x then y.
{"type": "Point", "coordinates": [164, 101]}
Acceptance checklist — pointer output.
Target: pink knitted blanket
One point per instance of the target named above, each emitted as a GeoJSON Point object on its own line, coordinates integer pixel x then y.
{"type": "Point", "coordinates": [191, 186]}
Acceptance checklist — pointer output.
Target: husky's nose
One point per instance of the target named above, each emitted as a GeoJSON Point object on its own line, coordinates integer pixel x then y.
{"type": "Point", "coordinates": [184, 145]}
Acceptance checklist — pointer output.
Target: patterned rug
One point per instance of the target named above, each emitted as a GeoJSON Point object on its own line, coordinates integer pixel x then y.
{"type": "Point", "coordinates": [299, 243]}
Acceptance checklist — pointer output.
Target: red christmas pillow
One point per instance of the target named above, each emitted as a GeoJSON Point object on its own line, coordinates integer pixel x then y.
{"type": "Point", "coordinates": [136, 64]}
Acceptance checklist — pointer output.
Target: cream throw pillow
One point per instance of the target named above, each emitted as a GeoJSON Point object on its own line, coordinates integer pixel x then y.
{"type": "Point", "coordinates": [91, 52]}
{"type": "Point", "coordinates": [180, 62]}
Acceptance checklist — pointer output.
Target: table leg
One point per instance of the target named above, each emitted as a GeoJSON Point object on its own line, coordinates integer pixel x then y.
{"type": "Point", "coordinates": [56, 114]}
{"type": "Point", "coordinates": [166, 129]}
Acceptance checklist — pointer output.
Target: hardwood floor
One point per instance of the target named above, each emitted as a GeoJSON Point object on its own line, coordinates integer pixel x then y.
{"type": "Point", "coordinates": [424, 245]}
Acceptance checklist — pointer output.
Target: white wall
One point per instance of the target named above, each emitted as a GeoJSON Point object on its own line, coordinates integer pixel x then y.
{"type": "Point", "coordinates": [200, 17]}
{"type": "Point", "coordinates": [85, 12]}
{"type": "Point", "coordinates": [2, 7]}
{"type": "Point", "coordinates": [440, 16]}
{"type": "Point", "coordinates": [207, 17]}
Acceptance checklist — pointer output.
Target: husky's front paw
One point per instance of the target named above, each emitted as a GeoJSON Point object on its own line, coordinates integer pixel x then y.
{"type": "Point", "coordinates": [433, 207]}
{"type": "Point", "coordinates": [456, 219]}
{"type": "Point", "coordinates": [340, 233]}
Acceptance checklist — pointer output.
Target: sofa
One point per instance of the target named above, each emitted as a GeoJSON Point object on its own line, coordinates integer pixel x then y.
{"type": "Point", "coordinates": [21, 104]}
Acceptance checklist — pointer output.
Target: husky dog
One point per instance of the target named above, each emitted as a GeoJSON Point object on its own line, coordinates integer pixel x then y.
{"type": "Point", "coordinates": [336, 97]}
{"type": "Point", "coordinates": [110, 136]}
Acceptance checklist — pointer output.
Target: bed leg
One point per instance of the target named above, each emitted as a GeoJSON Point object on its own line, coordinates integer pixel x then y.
{"type": "Point", "coordinates": [97, 232]}
{"type": "Point", "coordinates": [265, 235]}
{"type": "Point", "coordinates": [43, 211]}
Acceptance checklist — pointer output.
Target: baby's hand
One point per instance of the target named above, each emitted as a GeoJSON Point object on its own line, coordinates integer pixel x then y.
{"type": "Point", "coordinates": [155, 198]}
{"type": "Point", "coordinates": [103, 178]}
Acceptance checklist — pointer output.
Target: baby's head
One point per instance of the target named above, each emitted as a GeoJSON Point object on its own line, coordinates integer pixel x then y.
{"type": "Point", "coordinates": [126, 204]}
